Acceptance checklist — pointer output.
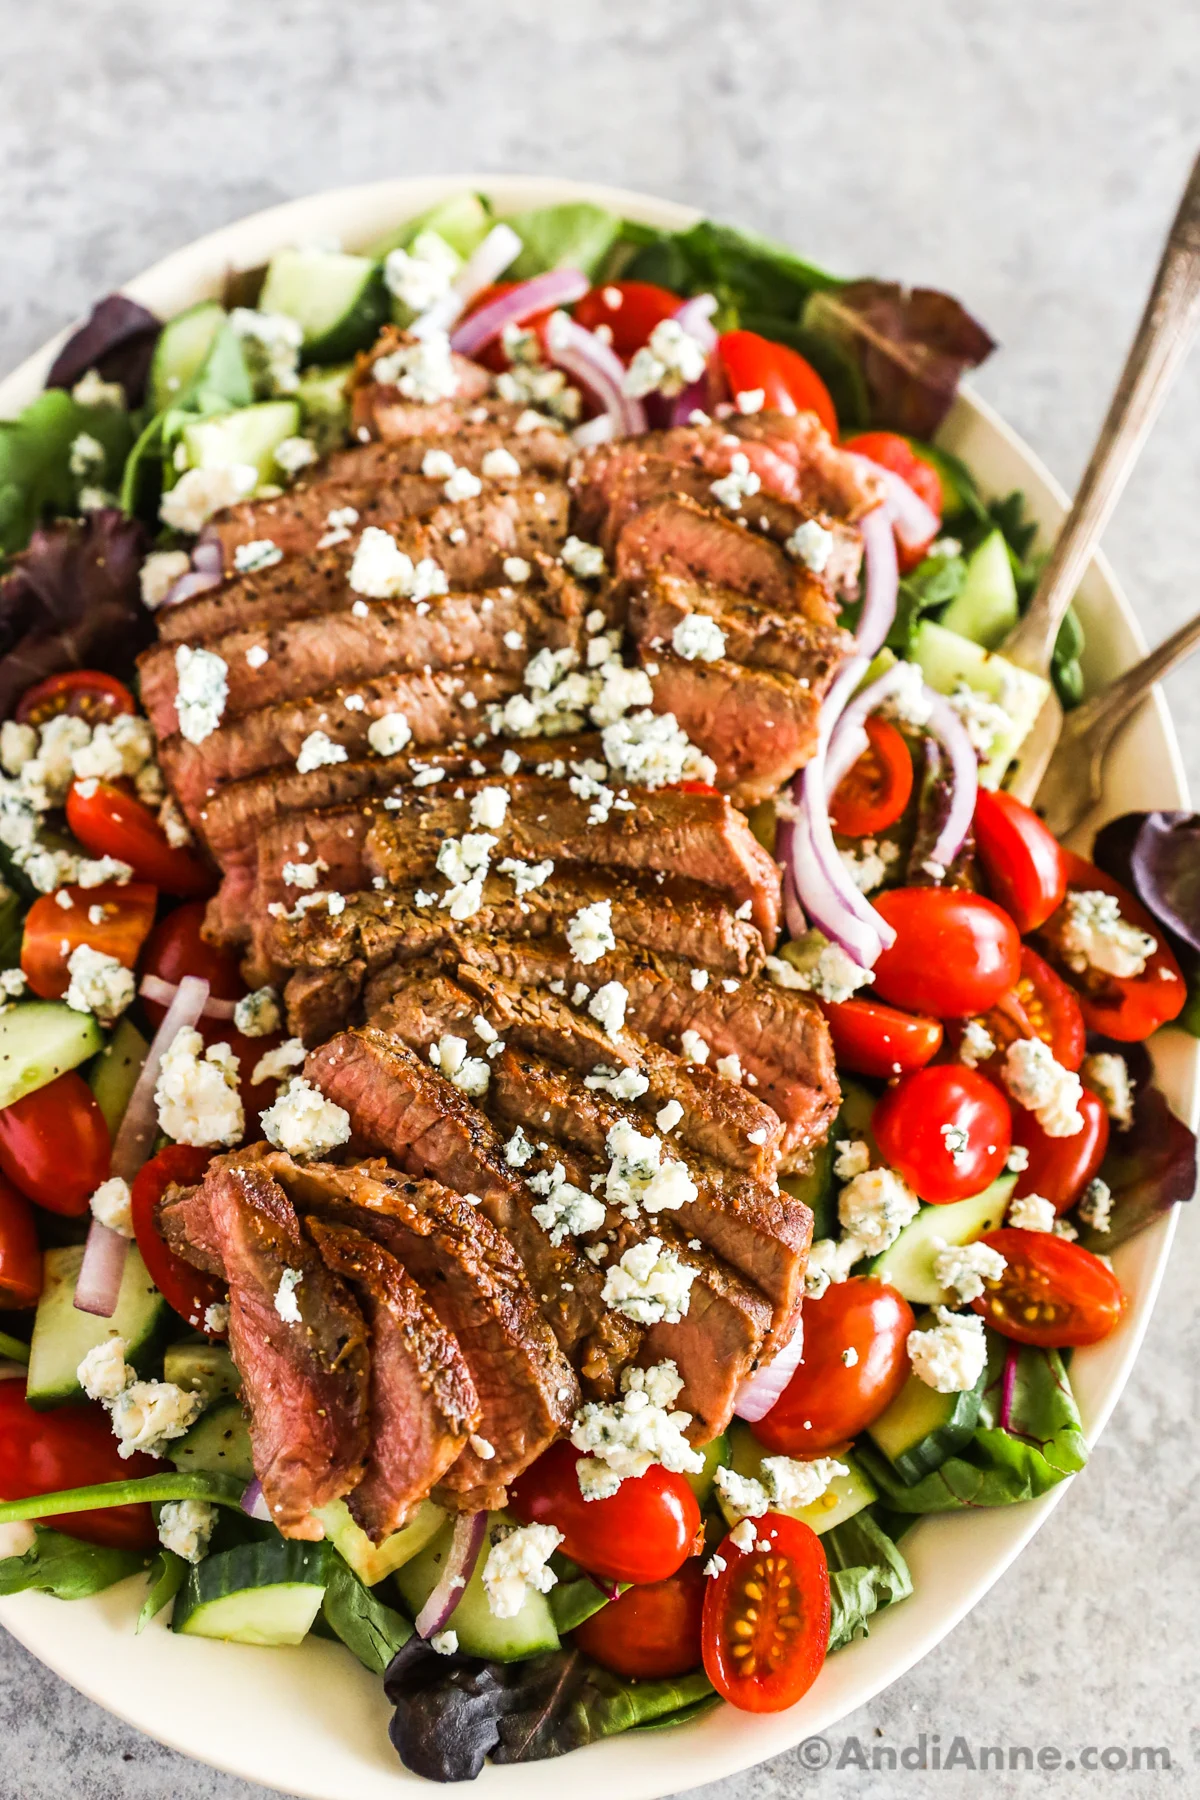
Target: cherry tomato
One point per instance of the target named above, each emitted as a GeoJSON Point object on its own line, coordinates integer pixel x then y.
{"type": "Point", "coordinates": [20, 1258]}
{"type": "Point", "coordinates": [111, 919]}
{"type": "Point", "coordinates": [649, 1632]}
{"type": "Point", "coordinates": [110, 822]}
{"type": "Point", "coordinates": [1130, 1007]}
{"type": "Point", "coordinates": [872, 1039]}
{"type": "Point", "coordinates": [175, 948]}
{"type": "Point", "coordinates": [494, 356]}
{"type": "Point", "coordinates": [893, 452]}
{"type": "Point", "coordinates": [1024, 863]}
{"type": "Point", "coordinates": [875, 790]}
{"type": "Point", "coordinates": [630, 310]}
{"type": "Point", "coordinates": [766, 1617]}
{"type": "Point", "coordinates": [1052, 1292]}
{"type": "Point", "coordinates": [826, 1402]}
{"type": "Point", "coordinates": [641, 1533]}
{"type": "Point", "coordinates": [1039, 1005]}
{"type": "Point", "coordinates": [54, 1145]}
{"type": "Point", "coordinates": [73, 1446]}
{"type": "Point", "coordinates": [190, 1291]}
{"type": "Point", "coordinates": [789, 384]}
{"type": "Point", "coordinates": [1060, 1168]}
{"type": "Point", "coordinates": [946, 1129]}
{"type": "Point", "coordinates": [955, 952]}
{"type": "Point", "coordinates": [85, 693]}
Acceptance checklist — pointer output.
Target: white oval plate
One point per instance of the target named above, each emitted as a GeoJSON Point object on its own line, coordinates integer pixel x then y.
{"type": "Point", "coordinates": [310, 1721]}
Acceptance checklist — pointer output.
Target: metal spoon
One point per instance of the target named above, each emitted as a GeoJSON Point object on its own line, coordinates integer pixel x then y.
{"type": "Point", "coordinates": [1163, 338]}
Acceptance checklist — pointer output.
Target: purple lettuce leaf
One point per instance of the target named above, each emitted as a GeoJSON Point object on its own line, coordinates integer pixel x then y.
{"type": "Point", "coordinates": [118, 340]}
{"type": "Point", "coordinates": [1149, 1167]}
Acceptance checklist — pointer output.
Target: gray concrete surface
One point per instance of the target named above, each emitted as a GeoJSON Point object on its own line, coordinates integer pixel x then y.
{"type": "Point", "coordinates": [1024, 155]}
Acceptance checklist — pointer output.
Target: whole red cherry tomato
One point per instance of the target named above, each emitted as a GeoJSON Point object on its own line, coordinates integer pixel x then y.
{"type": "Point", "coordinates": [176, 948]}
{"type": "Point", "coordinates": [650, 1632]}
{"type": "Point", "coordinates": [190, 1291]}
{"type": "Point", "coordinates": [54, 1145]}
{"type": "Point", "coordinates": [73, 1446]}
{"type": "Point", "coordinates": [955, 953]}
{"type": "Point", "coordinates": [111, 919]}
{"type": "Point", "coordinates": [628, 311]}
{"type": "Point", "coordinates": [789, 384]}
{"type": "Point", "coordinates": [1059, 1168]}
{"type": "Point", "coordinates": [1127, 1007]}
{"type": "Point", "coordinates": [872, 1039]}
{"type": "Point", "coordinates": [1024, 863]}
{"type": "Point", "coordinates": [84, 693]}
{"type": "Point", "coordinates": [827, 1401]}
{"type": "Point", "coordinates": [766, 1616]}
{"type": "Point", "coordinates": [1052, 1292]}
{"type": "Point", "coordinates": [946, 1129]}
{"type": "Point", "coordinates": [109, 821]}
{"type": "Point", "coordinates": [875, 790]}
{"type": "Point", "coordinates": [20, 1257]}
{"type": "Point", "coordinates": [641, 1533]}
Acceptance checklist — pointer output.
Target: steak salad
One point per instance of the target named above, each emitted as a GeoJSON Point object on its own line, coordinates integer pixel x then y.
{"type": "Point", "coordinates": [551, 1105]}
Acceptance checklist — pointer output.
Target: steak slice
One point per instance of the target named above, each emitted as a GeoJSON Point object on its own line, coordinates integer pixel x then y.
{"type": "Point", "coordinates": [827, 480]}
{"type": "Point", "coordinates": [423, 1401]}
{"type": "Point", "coordinates": [678, 537]}
{"type": "Point", "coordinates": [238, 913]}
{"type": "Point", "coordinates": [304, 1378]}
{"type": "Point", "coordinates": [758, 636]}
{"type": "Point", "coordinates": [404, 1109]}
{"type": "Point", "coordinates": [317, 1002]}
{"type": "Point", "coordinates": [758, 726]}
{"type": "Point", "coordinates": [473, 1279]}
{"type": "Point", "coordinates": [374, 403]}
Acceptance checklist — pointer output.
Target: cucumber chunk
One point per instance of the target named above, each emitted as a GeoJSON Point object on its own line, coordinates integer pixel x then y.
{"type": "Point", "coordinates": [265, 1593]}
{"type": "Point", "coordinates": [62, 1336]}
{"type": "Point", "coordinates": [921, 1428]}
{"type": "Point", "coordinates": [181, 352]}
{"type": "Point", "coordinates": [324, 406]}
{"type": "Point", "coordinates": [339, 301]}
{"type": "Point", "coordinates": [113, 1076]}
{"type": "Point", "coordinates": [845, 1495]}
{"type": "Point", "coordinates": [907, 1264]}
{"type": "Point", "coordinates": [217, 1444]}
{"type": "Point", "coordinates": [985, 608]}
{"type": "Point", "coordinates": [250, 435]}
{"type": "Point", "coordinates": [480, 1632]}
{"type": "Point", "coordinates": [948, 659]}
{"type": "Point", "coordinates": [372, 1563]}
{"type": "Point", "coordinates": [463, 220]}
{"type": "Point", "coordinates": [206, 1369]}
{"type": "Point", "coordinates": [39, 1039]}
{"type": "Point", "coordinates": [716, 1455]}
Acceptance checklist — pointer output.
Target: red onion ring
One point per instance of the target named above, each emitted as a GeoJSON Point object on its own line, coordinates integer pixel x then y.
{"type": "Point", "coordinates": [162, 993]}
{"type": "Point", "coordinates": [98, 1284]}
{"type": "Point", "coordinates": [560, 287]}
{"type": "Point", "coordinates": [948, 728]}
{"type": "Point", "coordinates": [695, 317]}
{"type": "Point", "coordinates": [759, 1392]}
{"type": "Point", "coordinates": [913, 522]}
{"type": "Point", "coordinates": [254, 1502]}
{"type": "Point", "coordinates": [882, 582]}
{"type": "Point", "coordinates": [195, 581]}
{"type": "Point", "coordinates": [470, 1530]}
{"type": "Point", "coordinates": [485, 264]}
{"type": "Point", "coordinates": [599, 430]}
{"type": "Point", "coordinates": [586, 357]}
{"type": "Point", "coordinates": [208, 554]}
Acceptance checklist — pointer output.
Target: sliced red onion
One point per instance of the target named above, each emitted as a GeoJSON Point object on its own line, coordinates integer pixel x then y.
{"type": "Point", "coordinates": [882, 581]}
{"type": "Point", "coordinates": [695, 317]}
{"type": "Point", "coordinates": [135, 1136]}
{"type": "Point", "coordinates": [600, 430]}
{"type": "Point", "coordinates": [759, 1392]}
{"type": "Point", "coordinates": [849, 738]}
{"type": "Point", "coordinates": [486, 264]}
{"type": "Point", "coordinates": [470, 1530]}
{"type": "Point", "coordinates": [98, 1284]}
{"type": "Point", "coordinates": [793, 913]}
{"type": "Point", "coordinates": [208, 554]}
{"type": "Point", "coordinates": [914, 523]}
{"type": "Point", "coordinates": [822, 896]}
{"type": "Point", "coordinates": [948, 728]}
{"type": "Point", "coordinates": [163, 993]}
{"type": "Point", "coordinates": [590, 360]}
{"type": "Point", "coordinates": [560, 287]}
{"type": "Point", "coordinates": [195, 581]}
{"type": "Point", "coordinates": [254, 1502]}
{"type": "Point", "coordinates": [1008, 1387]}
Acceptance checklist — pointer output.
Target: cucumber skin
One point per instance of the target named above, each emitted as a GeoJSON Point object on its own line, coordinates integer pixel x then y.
{"type": "Point", "coordinates": [206, 1369]}
{"type": "Point", "coordinates": [233, 1574]}
{"type": "Point", "coordinates": [217, 1444]}
{"type": "Point", "coordinates": [531, 1633]}
{"type": "Point", "coordinates": [346, 334]}
{"type": "Point", "coordinates": [935, 1447]}
{"type": "Point", "coordinates": [113, 1075]}
{"type": "Point", "coordinates": [198, 325]}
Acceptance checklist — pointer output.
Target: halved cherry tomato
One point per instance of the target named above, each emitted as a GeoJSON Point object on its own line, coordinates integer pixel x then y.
{"type": "Point", "coordinates": [85, 693]}
{"type": "Point", "coordinates": [1040, 1004]}
{"type": "Point", "coordinates": [73, 1446]}
{"type": "Point", "coordinates": [1059, 1168]}
{"type": "Point", "coordinates": [1052, 1292]}
{"type": "Point", "coordinates": [946, 1129]}
{"type": "Point", "coordinates": [20, 1257]}
{"type": "Point", "coordinates": [893, 452]}
{"type": "Point", "coordinates": [789, 384]}
{"type": "Point", "coordinates": [875, 790]}
{"type": "Point", "coordinates": [1128, 1007]}
{"type": "Point", "coordinates": [175, 948]}
{"type": "Point", "coordinates": [630, 310]}
{"type": "Point", "coordinates": [190, 1291]}
{"type": "Point", "coordinates": [872, 1039]}
{"type": "Point", "coordinates": [1024, 863]}
{"type": "Point", "coordinates": [108, 821]}
{"type": "Point", "coordinates": [766, 1617]}
{"type": "Point", "coordinates": [650, 1632]}
{"type": "Point", "coordinates": [955, 952]}
{"type": "Point", "coordinates": [827, 1402]}
{"type": "Point", "coordinates": [54, 1145]}
{"type": "Point", "coordinates": [111, 919]}
{"type": "Point", "coordinates": [643, 1532]}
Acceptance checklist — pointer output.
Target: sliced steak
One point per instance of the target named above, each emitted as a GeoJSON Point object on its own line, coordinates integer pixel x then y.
{"type": "Point", "coordinates": [475, 1282]}
{"type": "Point", "coordinates": [238, 913]}
{"type": "Point", "coordinates": [317, 1002]}
{"type": "Point", "coordinates": [758, 726]}
{"type": "Point", "coordinates": [678, 537]}
{"type": "Point", "coordinates": [304, 1378]}
{"type": "Point", "coordinates": [423, 1401]}
{"type": "Point", "coordinates": [758, 636]}
{"type": "Point", "coordinates": [827, 480]}
{"type": "Point", "coordinates": [375, 403]}
{"type": "Point", "coordinates": [401, 1107]}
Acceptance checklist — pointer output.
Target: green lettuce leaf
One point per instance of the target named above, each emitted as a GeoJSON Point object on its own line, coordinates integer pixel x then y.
{"type": "Point", "coordinates": [167, 1573]}
{"type": "Point", "coordinates": [1029, 1438]}
{"type": "Point", "coordinates": [67, 1567]}
{"type": "Point", "coordinates": [575, 235]}
{"type": "Point", "coordinates": [866, 1573]}
{"type": "Point", "coordinates": [373, 1631]}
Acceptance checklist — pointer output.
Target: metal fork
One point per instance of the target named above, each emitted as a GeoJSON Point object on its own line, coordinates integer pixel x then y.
{"type": "Point", "coordinates": [1163, 339]}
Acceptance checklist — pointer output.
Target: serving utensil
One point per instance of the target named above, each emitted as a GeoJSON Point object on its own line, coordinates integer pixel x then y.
{"type": "Point", "coordinates": [1163, 339]}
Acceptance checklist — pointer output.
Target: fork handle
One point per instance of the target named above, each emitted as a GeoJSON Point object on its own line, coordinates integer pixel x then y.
{"type": "Point", "coordinates": [1163, 339]}
{"type": "Point", "coordinates": [1097, 719]}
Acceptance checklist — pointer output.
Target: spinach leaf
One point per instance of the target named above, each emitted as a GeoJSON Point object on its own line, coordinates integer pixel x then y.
{"type": "Point", "coordinates": [866, 1573]}
{"type": "Point", "coordinates": [167, 1572]}
{"type": "Point", "coordinates": [576, 235]}
{"type": "Point", "coordinates": [575, 1596]}
{"type": "Point", "coordinates": [67, 1567]}
{"type": "Point", "coordinates": [221, 1490]}
{"type": "Point", "coordinates": [1028, 1439]}
{"type": "Point", "coordinates": [36, 478]}
{"type": "Point", "coordinates": [365, 1625]}
{"type": "Point", "coordinates": [933, 583]}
